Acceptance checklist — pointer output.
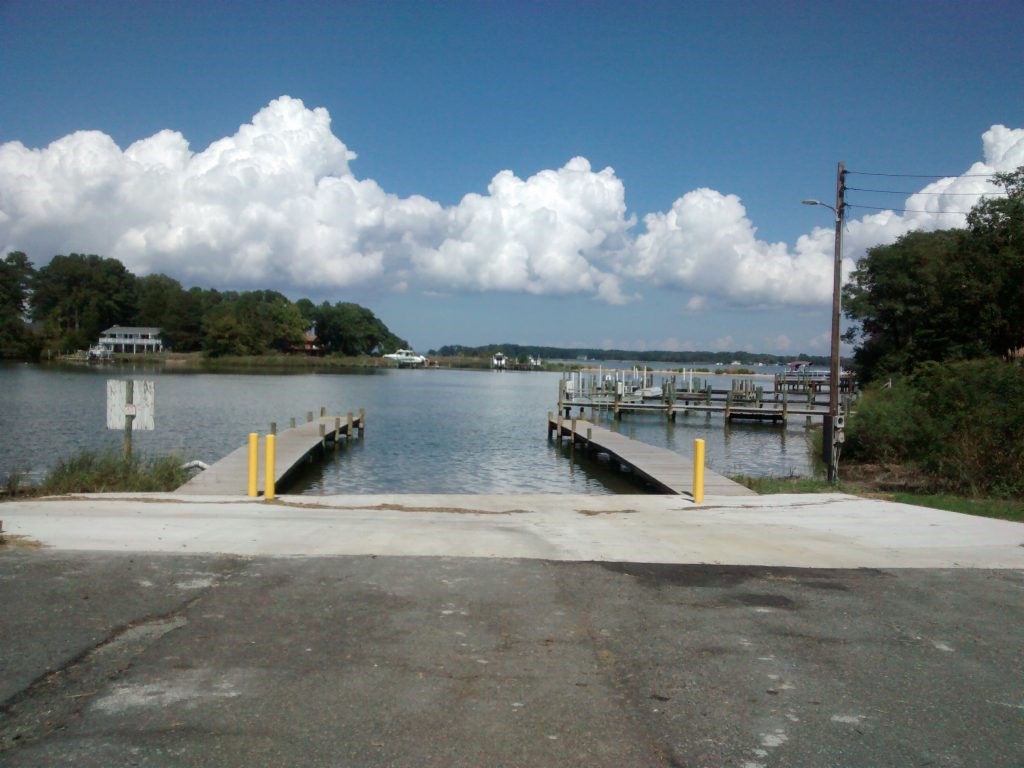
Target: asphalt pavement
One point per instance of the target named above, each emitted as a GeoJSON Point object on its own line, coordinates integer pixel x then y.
{"type": "Point", "coordinates": [154, 658]}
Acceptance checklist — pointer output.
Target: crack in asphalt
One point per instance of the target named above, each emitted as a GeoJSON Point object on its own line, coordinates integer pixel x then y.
{"type": "Point", "coordinates": [57, 696]}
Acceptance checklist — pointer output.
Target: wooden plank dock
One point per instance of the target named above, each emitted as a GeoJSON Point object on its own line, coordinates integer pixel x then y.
{"type": "Point", "coordinates": [668, 471]}
{"type": "Point", "coordinates": [294, 447]}
{"type": "Point", "coordinates": [743, 401]}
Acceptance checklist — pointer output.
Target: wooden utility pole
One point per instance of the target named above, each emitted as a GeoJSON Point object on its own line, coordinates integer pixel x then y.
{"type": "Point", "coordinates": [829, 453]}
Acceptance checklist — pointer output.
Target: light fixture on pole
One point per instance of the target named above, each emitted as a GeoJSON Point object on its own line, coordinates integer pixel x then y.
{"type": "Point", "coordinates": [829, 453]}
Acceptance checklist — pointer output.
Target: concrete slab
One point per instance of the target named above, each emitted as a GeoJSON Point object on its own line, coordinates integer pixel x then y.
{"type": "Point", "coordinates": [823, 531]}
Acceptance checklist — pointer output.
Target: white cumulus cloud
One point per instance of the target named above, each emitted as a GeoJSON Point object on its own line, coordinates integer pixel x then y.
{"type": "Point", "coordinates": [277, 204]}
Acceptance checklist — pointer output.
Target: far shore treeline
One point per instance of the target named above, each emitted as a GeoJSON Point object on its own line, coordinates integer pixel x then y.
{"type": "Point", "coordinates": [71, 300]}
{"type": "Point", "coordinates": [523, 351]}
{"type": "Point", "coordinates": [65, 305]}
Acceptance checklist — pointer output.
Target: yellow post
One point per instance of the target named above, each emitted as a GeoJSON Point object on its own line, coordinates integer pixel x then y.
{"type": "Point", "coordinates": [268, 485]}
{"type": "Point", "coordinates": [254, 461]}
{"type": "Point", "coordinates": [698, 471]}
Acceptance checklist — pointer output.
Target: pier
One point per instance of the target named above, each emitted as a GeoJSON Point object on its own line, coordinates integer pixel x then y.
{"type": "Point", "coordinates": [295, 446]}
{"type": "Point", "coordinates": [620, 392]}
{"type": "Point", "coordinates": [668, 471]}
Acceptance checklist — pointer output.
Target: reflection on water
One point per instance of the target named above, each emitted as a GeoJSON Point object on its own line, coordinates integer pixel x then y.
{"type": "Point", "coordinates": [428, 431]}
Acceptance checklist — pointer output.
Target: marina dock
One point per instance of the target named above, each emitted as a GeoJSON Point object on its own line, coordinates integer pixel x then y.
{"type": "Point", "coordinates": [668, 471]}
{"type": "Point", "coordinates": [620, 393]}
{"type": "Point", "coordinates": [295, 446]}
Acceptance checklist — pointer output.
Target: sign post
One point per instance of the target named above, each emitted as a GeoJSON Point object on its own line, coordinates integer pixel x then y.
{"type": "Point", "coordinates": [130, 406]}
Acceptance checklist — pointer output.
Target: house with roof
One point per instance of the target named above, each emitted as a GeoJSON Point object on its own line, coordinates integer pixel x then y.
{"type": "Point", "coordinates": [131, 339]}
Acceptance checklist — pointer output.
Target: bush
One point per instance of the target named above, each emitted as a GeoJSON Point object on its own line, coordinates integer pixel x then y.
{"type": "Point", "coordinates": [960, 424]}
{"type": "Point", "coordinates": [90, 472]}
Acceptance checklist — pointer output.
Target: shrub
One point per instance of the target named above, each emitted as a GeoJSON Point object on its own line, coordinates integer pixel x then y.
{"type": "Point", "coordinates": [90, 472]}
{"type": "Point", "coordinates": [961, 424]}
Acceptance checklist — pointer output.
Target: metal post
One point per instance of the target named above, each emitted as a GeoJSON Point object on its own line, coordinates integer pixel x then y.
{"type": "Point", "coordinates": [268, 483]}
{"type": "Point", "coordinates": [253, 462]}
{"type": "Point", "coordinates": [698, 471]}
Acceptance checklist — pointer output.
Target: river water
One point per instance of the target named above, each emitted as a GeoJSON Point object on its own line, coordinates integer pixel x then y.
{"type": "Point", "coordinates": [428, 431]}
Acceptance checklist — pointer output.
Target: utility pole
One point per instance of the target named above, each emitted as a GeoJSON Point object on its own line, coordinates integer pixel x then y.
{"type": "Point", "coordinates": [833, 421]}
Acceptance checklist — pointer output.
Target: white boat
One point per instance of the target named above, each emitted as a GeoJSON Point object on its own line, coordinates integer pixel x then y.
{"type": "Point", "coordinates": [499, 361]}
{"type": "Point", "coordinates": [406, 358]}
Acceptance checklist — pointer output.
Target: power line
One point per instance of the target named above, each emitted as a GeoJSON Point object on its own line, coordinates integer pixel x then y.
{"type": "Point", "coordinates": [907, 192]}
{"type": "Point", "coordinates": [926, 175]}
{"type": "Point", "coordinates": [907, 210]}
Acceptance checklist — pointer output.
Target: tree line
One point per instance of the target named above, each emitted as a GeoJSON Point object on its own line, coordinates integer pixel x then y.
{"type": "Point", "coordinates": [66, 304]}
{"type": "Point", "coordinates": [522, 351]}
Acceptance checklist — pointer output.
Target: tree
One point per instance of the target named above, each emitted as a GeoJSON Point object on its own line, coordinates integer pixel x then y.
{"type": "Point", "coordinates": [350, 329]}
{"type": "Point", "coordinates": [78, 296]}
{"type": "Point", "coordinates": [163, 303]}
{"type": "Point", "coordinates": [15, 278]}
{"type": "Point", "coordinates": [252, 323]}
{"type": "Point", "coordinates": [947, 295]}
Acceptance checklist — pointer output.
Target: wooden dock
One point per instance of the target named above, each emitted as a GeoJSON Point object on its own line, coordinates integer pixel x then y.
{"type": "Point", "coordinates": [745, 400]}
{"type": "Point", "coordinates": [294, 447]}
{"type": "Point", "coordinates": [666, 470]}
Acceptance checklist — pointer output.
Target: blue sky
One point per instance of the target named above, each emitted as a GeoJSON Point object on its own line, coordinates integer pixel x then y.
{"type": "Point", "coordinates": [714, 119]}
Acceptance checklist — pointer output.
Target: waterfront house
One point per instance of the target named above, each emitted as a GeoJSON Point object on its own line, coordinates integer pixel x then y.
{"type": "Point", "coordinates": [131, 339]}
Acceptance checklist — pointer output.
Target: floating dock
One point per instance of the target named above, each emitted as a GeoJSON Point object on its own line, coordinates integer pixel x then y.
{"type": "Point", "coordinates": [294, 447]}
{"type": "Point", "coordinates": [668, 471]}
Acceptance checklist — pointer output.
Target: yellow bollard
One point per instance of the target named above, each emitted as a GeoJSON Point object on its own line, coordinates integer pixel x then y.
{"type": "Point", "coordinates": [254, 461]}
{"type": "Point", "coordinates": [268, 485]}
{"type": "Point", "coordinates": [698, 471]}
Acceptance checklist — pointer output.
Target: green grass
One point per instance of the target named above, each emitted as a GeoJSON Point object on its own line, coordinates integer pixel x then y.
{"type": "Point", "coordinates": [90, 472]}
{"type": "Point", "coordinates": [1003, 509]}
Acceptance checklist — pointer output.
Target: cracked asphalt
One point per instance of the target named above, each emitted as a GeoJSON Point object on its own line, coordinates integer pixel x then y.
{"type": "Point", "coordinates": [152, 659]}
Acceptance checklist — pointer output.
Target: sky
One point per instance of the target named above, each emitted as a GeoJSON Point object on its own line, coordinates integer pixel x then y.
{"type": "Point", "coordinates": [589, 174]}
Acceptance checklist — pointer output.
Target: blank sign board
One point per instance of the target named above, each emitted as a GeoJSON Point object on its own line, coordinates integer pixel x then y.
{"type": "Point", "coordinates": [142, 405]}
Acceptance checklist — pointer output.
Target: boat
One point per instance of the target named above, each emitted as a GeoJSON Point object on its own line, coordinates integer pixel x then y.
{"type": "Point", "coordinates": [499, 361]}
{"type": "Point", "coordinates": [99, 354]}
{"type": "Point", "coordinates": [406, 358]}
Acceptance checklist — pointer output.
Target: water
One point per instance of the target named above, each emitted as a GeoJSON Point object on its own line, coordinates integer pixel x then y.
{"type": "Point", "coordinates": [428, 431]}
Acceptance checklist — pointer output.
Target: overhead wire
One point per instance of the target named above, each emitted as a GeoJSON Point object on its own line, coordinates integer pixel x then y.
{"type": "Point", "coordinates": [907, 192]}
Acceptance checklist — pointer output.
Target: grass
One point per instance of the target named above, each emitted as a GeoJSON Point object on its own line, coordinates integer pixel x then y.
{"type": "Point", "coordinates": [91, 472]}
{"type": "Point", "coordinates": [880, 486]}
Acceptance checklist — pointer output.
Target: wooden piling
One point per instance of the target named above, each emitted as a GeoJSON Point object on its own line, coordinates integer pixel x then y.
{"type": "Point", "coordinates": [362, 422]}
{"type": "Point", "coordinates": [348, 430]}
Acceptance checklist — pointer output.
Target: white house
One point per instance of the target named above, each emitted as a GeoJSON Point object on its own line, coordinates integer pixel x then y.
{"type": "Point", "coordinates": [132, 340]}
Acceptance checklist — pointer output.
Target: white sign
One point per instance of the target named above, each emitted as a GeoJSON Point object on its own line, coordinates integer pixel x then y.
{"type": "Point", "coordinates": [142, 406]}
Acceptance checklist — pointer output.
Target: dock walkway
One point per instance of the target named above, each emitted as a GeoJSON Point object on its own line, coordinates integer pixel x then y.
{"type": "Point", "coordinates": [667, 470]}
{"type": "Point", "coordinates": [294, 446]}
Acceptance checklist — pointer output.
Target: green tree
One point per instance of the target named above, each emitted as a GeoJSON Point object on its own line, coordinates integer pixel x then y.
{"type": "Point", "coordinates": [350, 329]}
{"type": "Point", "coordinates": [252, 323]}
{"type": "Point", "coordinates": [165, 304]}
{"type": "Point", "coordinates": [947, 295]}
{"type": "Point", "coordinates": [78, 296]}
{"type": "Point", "coordinates": [15, 278]}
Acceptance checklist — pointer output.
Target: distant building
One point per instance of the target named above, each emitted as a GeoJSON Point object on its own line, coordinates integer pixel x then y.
{"type": "Point", "coordinates": [131, 340]}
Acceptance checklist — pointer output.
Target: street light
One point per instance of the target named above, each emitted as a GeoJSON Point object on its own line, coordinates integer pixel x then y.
{"type": "Point", "coordinates": [829, 454]}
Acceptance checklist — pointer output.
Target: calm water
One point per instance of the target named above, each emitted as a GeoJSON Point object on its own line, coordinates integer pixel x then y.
{"type": "Point", "coordinates": [434, 431]}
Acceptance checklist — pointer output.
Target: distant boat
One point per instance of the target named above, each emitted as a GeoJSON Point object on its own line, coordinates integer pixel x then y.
{"type": "Point", "coordinates": [406, 358]}
{"type": "Point", "coordinates": [499, 361]}
{"type": "Point", "coordinates": [100, 354]}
